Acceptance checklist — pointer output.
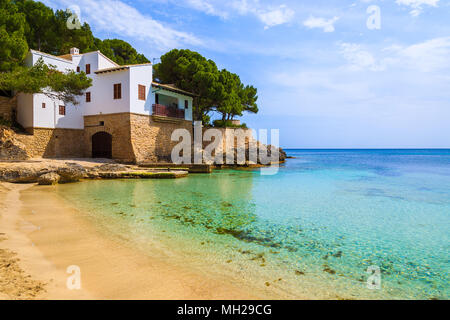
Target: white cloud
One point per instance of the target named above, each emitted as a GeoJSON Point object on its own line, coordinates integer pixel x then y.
{"type": "Point", "coordinates": [428, 56]}
{"type": "Point", "coordinates": [417, 5]}
{"type": "Point", "coordinates": [358, 58]}
{"type": "Point", "coordinates": [119, 18]}
{"type": "Point", "coordinates": [206, 7]}
{"type": "Point", "coordinates": [405, 105]}
{"type": "Point", "coordinates": [326, 25]}
{"type": "Point", "coordinates": [269, 15]}
{"type": "Point", "coordinates": [273, 17]}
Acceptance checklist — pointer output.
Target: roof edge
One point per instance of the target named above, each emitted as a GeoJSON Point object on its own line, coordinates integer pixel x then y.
{"type": "Point", "coordinates": [120, 68]}
{"type": "Point", "coordinates": [50, 55]}
{"type": "Point", "coordinates": [174, 89]}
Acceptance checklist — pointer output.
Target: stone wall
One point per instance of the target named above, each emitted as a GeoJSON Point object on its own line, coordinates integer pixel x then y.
{"type": "Point", "coordinates": [7, 105]}
{"type": "Point", "coordinates": [135, 138]}
{"type": "Point", "coordinates": [118, 125]}
{"type": "Point", "coordinates": [231, 145]}
{"type": "Point", "coordinates": [53, 143]}
{"type": "Point", "coordinates": [151, 137]}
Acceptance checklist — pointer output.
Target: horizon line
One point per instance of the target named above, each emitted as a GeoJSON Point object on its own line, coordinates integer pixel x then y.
{"type": "Point", "coordinates": [444, 148]}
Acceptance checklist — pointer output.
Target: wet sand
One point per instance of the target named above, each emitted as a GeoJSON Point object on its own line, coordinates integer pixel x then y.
{"type": "Point", "coordinates": [43, 237]}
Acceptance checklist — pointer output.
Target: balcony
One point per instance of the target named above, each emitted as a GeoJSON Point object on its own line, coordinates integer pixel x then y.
{"type": "Point", "coordinates": [168, 111]}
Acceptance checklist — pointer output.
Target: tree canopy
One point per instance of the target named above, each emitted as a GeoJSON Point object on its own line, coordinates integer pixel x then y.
{"type": "Point", "coordinates": [13, 45]}
{"type": "Point", "coordinates": [217, 90]}
{"type": "Point", "coordinates": [120, 51]}
{"type": "Point", "coordinates": [27, 24]}
{"type": "Point", "coordinates": [47, 80]}
{"type": "Point", "coordinates": [47, 31]}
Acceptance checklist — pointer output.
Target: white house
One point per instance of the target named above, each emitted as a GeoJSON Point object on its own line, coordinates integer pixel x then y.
{"type": "Point", "coordinates": [116, 92]}
{"type": "Point", "coordinates": [115, 89]}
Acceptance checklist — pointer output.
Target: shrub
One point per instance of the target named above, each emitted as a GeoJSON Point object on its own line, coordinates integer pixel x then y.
{"type": "Point", "coordinates": [228, 124]}
{"type": "Point", "coordinates": [6, 122]}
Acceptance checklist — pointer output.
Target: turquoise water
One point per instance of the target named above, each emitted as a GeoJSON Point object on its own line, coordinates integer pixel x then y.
{"type": "Point", "coordinates": [316, 226]}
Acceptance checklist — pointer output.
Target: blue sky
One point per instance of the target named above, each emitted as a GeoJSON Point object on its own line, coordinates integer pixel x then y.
{"type": "Point", "coordinates": [324, 78]}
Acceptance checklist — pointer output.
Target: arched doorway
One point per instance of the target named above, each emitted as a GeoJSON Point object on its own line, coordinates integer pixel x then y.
{"type": "Point", "coordinates": [102, 145]}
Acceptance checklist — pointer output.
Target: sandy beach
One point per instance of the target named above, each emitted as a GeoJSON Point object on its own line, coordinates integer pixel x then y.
{"type": "Point", "coordinates": [40, 237]}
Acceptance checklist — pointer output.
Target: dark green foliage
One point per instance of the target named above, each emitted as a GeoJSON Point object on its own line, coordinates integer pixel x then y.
{"type": "Point", "coordinates": [47, 31]}
{"type": "Point", "coordinates": [13, 45]}
{"type": "Point", "coordinates": [190, 71]}
{"type": "Point", "coordinates": [228, 124]}
{"type": "Point", "coordinates": [28, 24]}
{"type": "Point", "coordinates": [66, 38]}
{"type": "Point", "coordinates": [39, 26]}
{"type": "Point", "coordinates": [120, 51]}
{"type": "Point", "coordinates": [220, 91]}
{"type": "Point", "coordinates": [47, 80]}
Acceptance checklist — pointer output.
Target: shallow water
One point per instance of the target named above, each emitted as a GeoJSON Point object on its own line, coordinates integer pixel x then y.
{"type": "Point", "coordinates": [318, 224]}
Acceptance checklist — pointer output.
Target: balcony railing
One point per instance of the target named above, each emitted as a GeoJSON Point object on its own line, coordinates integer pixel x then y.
{"type": "Point", "coordinates": [167, 111]}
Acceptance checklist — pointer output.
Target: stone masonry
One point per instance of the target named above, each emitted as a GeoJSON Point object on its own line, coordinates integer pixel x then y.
{"type": "Point", "coordinates": [117, 125]}
{"type": "Point", "coordinates": [53, 143]}
{"type": "Point", "coordinates": [7, 105]}
{"type": "Point", "coordinates": [151, 137]}
{"type": "Point", "coordinates": [135, 138]}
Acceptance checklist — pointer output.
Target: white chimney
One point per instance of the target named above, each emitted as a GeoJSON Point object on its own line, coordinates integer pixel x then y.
{"type": "Point", "coordinates": [74, 51]}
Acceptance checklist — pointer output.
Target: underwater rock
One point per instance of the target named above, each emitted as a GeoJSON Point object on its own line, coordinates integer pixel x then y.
{"type": "Point", "coordinates": [328, 270]}
{"type": "Point", "coordinates": [227, 204]}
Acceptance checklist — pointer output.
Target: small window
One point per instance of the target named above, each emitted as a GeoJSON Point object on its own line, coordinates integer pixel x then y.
{"type": "Point", "coordinates": [118, 91]}
{"type": "Point", "coordinates": [78, 69]}
{"type": "Point", "coordinates": [186, 104]}
{"type": "Point", "coordinates": [102, 123]}
{"type": "Point", "coordinates": [157, 98]}
{"type": "Point", "coordinates": [88, 69]}
{"type": "Point", "coordinates": [62, 110]}
{"type": "Point", "coordinates": [88, 97]}
{"type": "Point", "coordinates": [43, 105]}
{"type": "Point", "coordinates": [141, 92]}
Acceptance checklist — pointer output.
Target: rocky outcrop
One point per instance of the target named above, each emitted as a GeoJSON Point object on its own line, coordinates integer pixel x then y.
{"type": "Point", "coordinates": [279, 157]}
{"type": "Point", "coordinates": [49, 179]}
{"type": "Point", "coordinates": [283, 155]}
{"type": "Point", "coordinates": [27, 173]}
{"type": "Point", "coordinates": [21, 175]}
{"type": "Point", "coordinates": [51, 172]}
{"type": "Point", "coordinates": [72, 173]}
{"type": "Point", "coordinates": [10, 147]}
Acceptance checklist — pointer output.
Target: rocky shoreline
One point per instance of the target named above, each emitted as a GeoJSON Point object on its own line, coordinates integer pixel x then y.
{"type": "Point", "coordinates": [48, 172]}
{"type": "Point", "coordinates": [17, 165]}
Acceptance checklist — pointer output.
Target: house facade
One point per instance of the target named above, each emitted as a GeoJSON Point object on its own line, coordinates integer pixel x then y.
{"type": "Point", "coordinates": [123, 115]}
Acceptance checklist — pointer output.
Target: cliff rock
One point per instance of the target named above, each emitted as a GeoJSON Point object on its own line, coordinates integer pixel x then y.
{"type": "Point", "coordinates": [10, 147]}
